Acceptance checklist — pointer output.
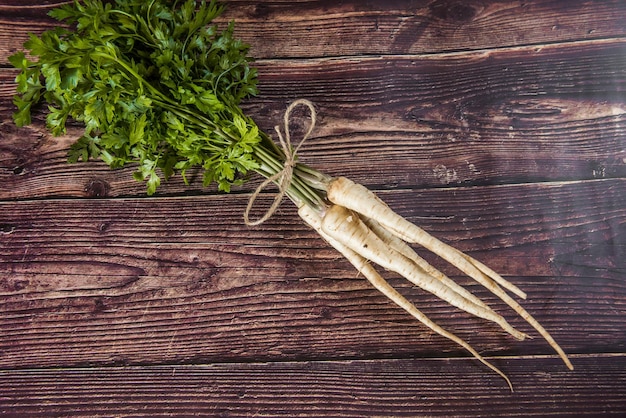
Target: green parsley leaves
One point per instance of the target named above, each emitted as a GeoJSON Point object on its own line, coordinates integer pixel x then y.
{"type": "Point", "coordinates": [154, 84]}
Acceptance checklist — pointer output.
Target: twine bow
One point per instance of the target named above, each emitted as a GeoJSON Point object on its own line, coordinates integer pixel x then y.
{"type": "Point", "coordinates": [283, 177]}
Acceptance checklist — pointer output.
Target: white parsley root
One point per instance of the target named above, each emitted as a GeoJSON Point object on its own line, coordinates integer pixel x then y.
{"type": "Point", "coordinates": [350, 221]}
{"type": "Point", "coordinates": [312, 218]}
{"type": "Point", "coordinates": [346, 227]}
{"type": "Point", "coordinates": [345, 192]}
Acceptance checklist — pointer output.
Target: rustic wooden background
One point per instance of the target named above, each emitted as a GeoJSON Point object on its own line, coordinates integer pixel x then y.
{"type": "Point", "coordinates": [499, 126]}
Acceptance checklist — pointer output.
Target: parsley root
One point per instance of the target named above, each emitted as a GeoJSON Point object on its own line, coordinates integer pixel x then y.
{"type": "Point", "coordinates": [346, 227]}
{"type": "Point", "coordinates": [159, 86]}
{"type": "Point", "coordinates": [314, 220]}
{"type": "Point", "coordinates": [342, 191]}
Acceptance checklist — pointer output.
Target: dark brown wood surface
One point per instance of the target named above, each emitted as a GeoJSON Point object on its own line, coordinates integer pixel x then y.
{"type": "Point", "coordinates": [499, 127]}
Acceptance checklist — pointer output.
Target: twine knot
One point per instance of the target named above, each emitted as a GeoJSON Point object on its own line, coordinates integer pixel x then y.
{"type": "Point", "coordinates": [283, 177]}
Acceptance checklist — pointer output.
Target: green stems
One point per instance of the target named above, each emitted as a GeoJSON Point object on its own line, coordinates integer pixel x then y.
{"type": "Point", "coordinates": [303, 189]}
{"type": "Point", "coordinates": [307, 186]}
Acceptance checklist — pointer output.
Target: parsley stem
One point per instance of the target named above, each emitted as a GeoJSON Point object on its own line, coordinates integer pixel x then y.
{"type": "Point", "coordinates": [299, 187]}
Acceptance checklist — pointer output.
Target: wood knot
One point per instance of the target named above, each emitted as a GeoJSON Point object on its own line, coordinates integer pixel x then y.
{"type": "Point", "coordinates": [452, 11]}
{"type": "Point", "coordinates": [261, 11]}
{"type": "Point", "coordinates": [6, 229]}
{"type": "Point", "coordinates": [97, 188]}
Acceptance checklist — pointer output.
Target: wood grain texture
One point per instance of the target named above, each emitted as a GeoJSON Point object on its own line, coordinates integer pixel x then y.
{"type": "Point", "coordinates": [277, 29]}
{"type": "Point", "coordinates": [516, 115]}
{"type": "Point", "coordinates": [320, 389]}
{"type": "Point", "coordinates": [497, 126]}
{"type": "Point", "coordinates": [122, 281]}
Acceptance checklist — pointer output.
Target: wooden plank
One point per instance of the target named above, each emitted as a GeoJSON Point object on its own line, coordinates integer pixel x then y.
{"type": "Point", "coordinates": [420, 387]}
{"type": "Point", "coordinates": [179, 280]}
{"type": "Point", "coordinates": [323, 28]}
{"type": "Point", "coordinates": [512, 115]}
{"type": "Point", "coordinates": [498, 126]}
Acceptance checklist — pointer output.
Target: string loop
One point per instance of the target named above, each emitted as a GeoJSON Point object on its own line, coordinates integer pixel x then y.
{"type": "Point", "coordinates": [283, 177]}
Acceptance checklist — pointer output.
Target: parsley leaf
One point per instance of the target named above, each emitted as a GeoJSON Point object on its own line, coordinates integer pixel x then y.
{"type": "Point", "coordinates": [155, 84]}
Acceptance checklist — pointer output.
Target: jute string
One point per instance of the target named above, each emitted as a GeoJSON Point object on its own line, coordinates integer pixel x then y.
{"type": "Point", "coordinates": [283, 177]}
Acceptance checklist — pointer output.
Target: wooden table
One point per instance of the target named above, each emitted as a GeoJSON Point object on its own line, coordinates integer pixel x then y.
{"type": "Point", "coordinates": [496, 126]}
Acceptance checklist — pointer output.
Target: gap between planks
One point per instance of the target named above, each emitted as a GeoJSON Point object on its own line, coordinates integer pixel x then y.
{"type": "Point", "coordinates": [528, 357]}
{"type": "Point", "coordinates": [479, 52]}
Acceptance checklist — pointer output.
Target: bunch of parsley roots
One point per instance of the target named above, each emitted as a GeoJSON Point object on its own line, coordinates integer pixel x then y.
{"type": "Point", "coordinates": [158, 85]}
